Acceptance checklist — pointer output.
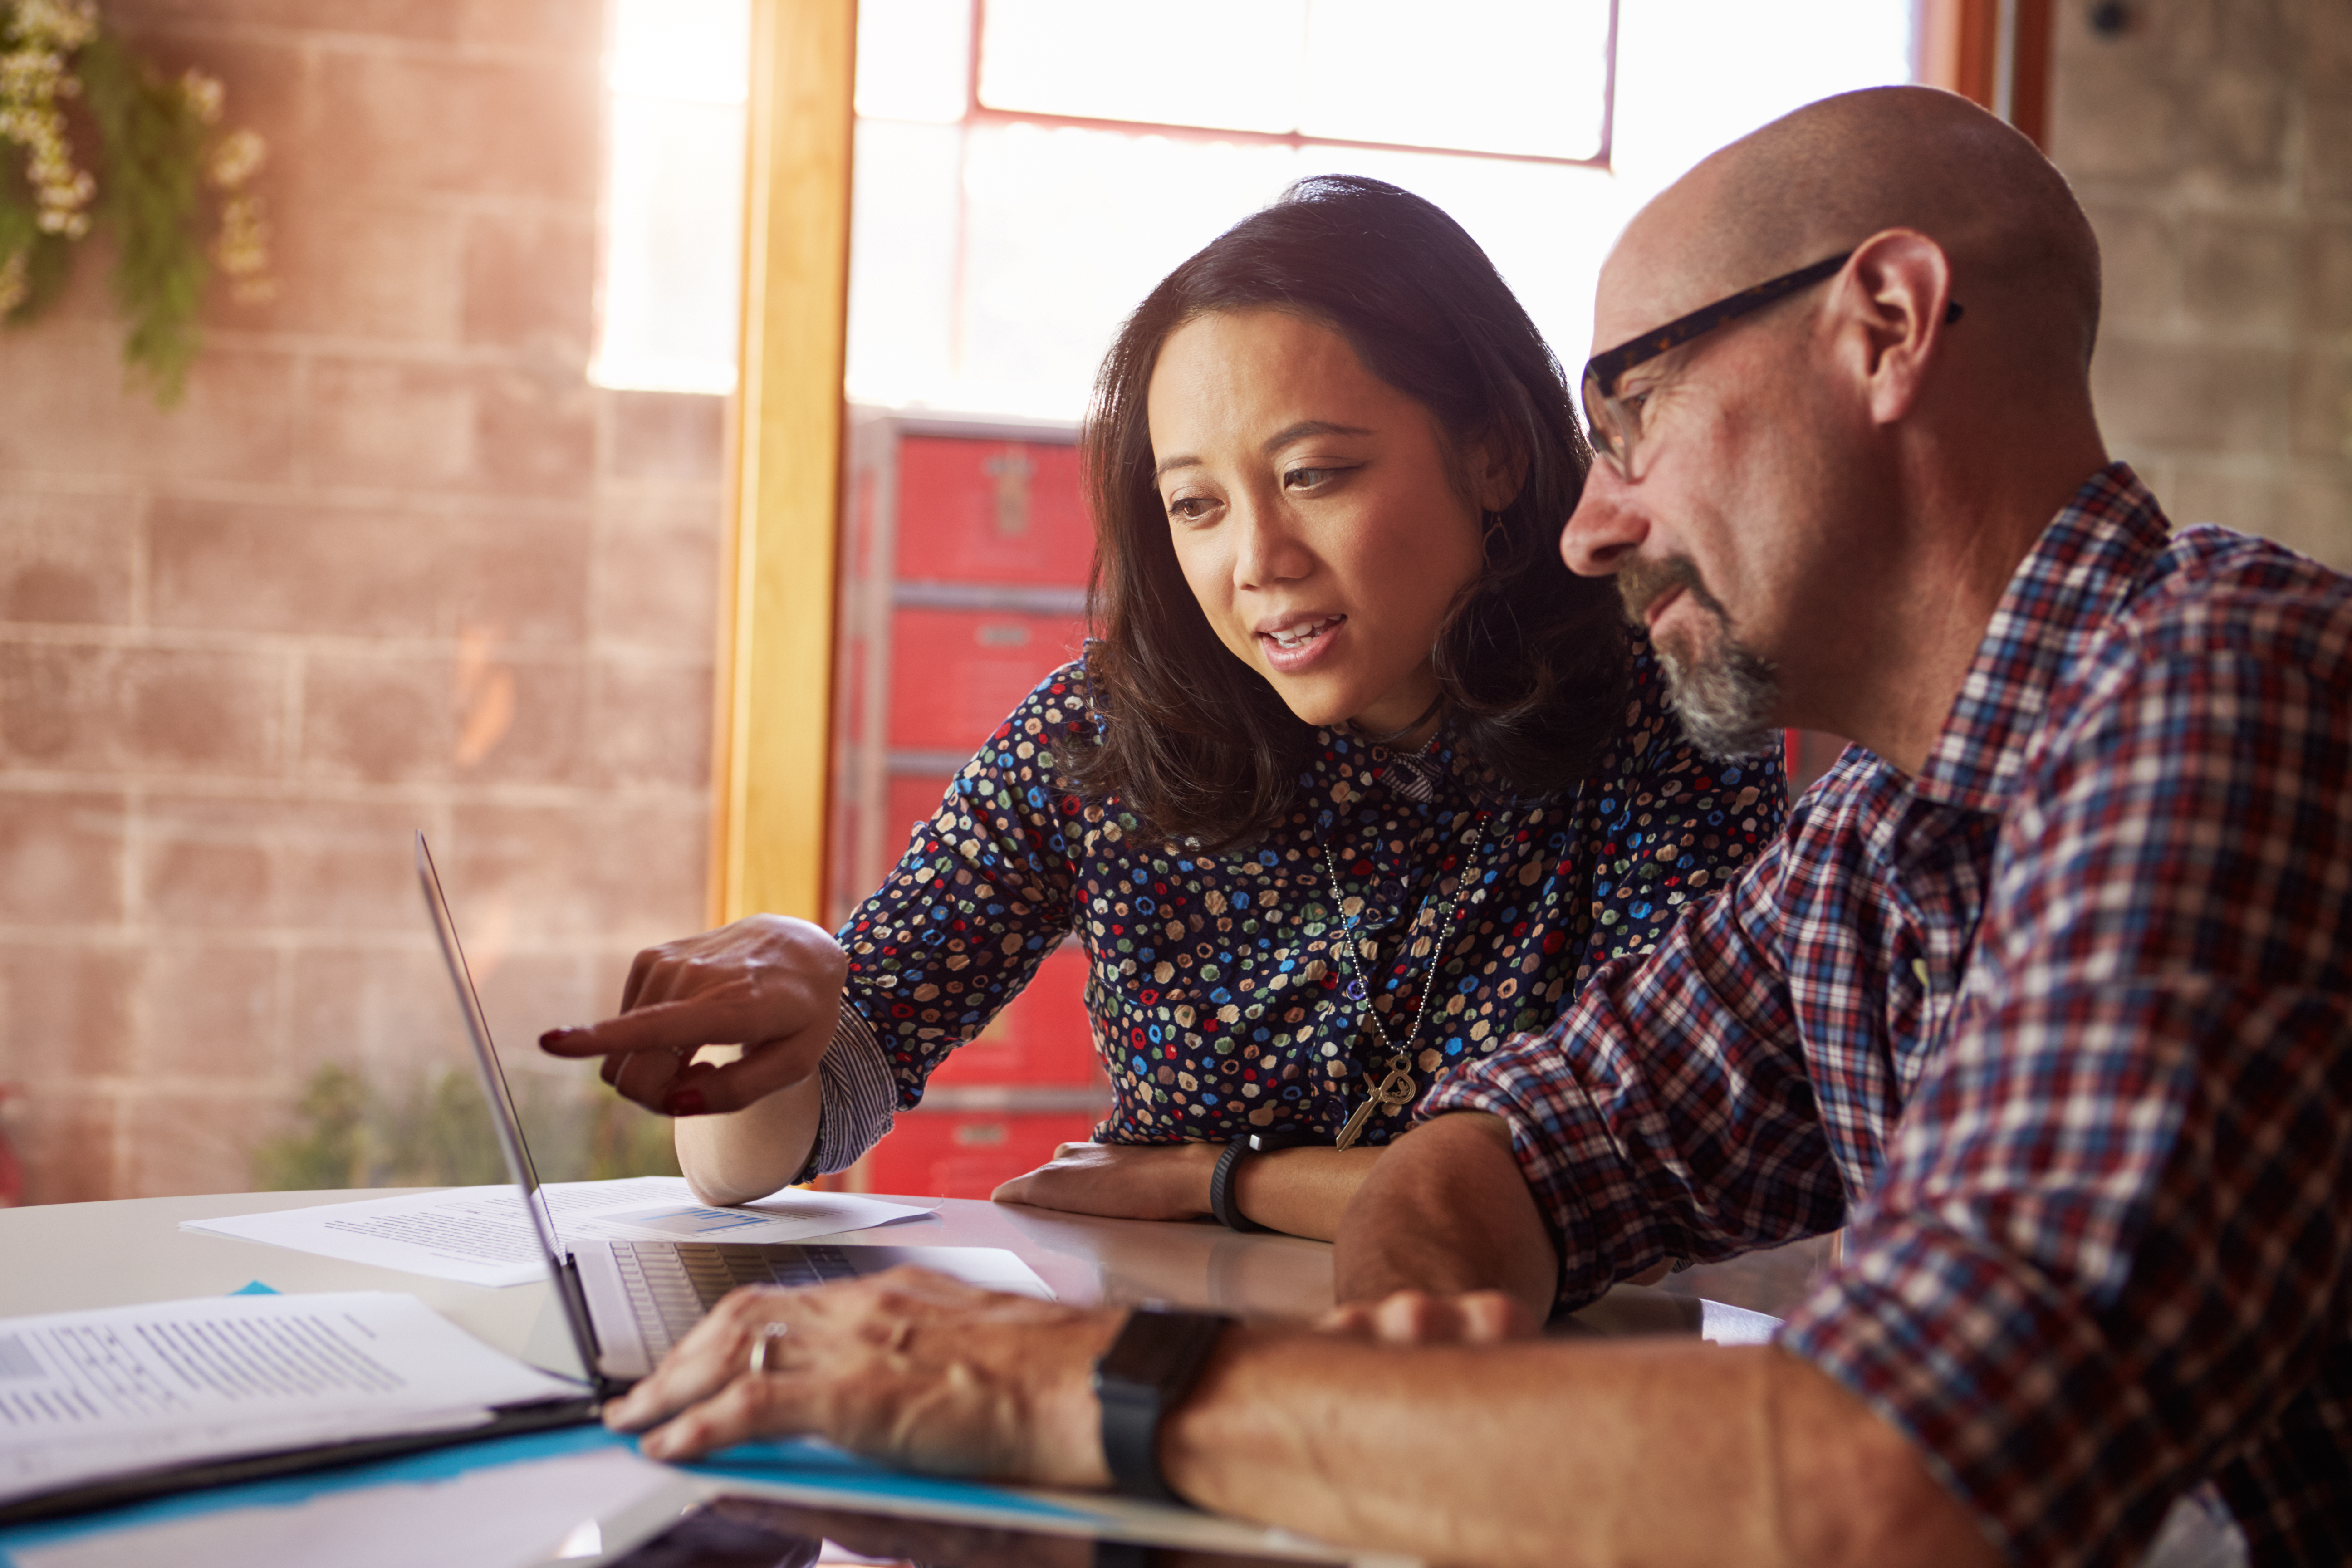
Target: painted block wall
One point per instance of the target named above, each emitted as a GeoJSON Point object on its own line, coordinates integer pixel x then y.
{"type": "Point", "coordinates": [394, 563]}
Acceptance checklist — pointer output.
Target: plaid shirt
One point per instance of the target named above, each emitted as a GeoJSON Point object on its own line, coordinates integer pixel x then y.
{"type": "Point", "coordinates": [2059, 1029]}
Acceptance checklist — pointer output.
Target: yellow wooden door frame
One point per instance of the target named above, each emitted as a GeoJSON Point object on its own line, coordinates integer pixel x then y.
{"type": "Point", "coordinates": [773, 763]}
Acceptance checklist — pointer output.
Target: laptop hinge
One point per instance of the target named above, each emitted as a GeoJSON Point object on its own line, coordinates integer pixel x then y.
{"type": "Point", "coordinates": [584, 1327]}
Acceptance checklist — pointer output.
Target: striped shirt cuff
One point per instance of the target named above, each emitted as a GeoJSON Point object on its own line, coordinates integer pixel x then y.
{"type": "Point", "coordinates": [860, 1096]}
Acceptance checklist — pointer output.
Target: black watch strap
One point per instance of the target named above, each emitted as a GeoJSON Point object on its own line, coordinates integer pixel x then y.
{"type": "Point", "coordinates": [1146, 1373]}
{"type": "Point", "coordinates": [1221, 1187]}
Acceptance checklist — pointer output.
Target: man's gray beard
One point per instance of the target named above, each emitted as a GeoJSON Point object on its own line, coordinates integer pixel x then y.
{"type": "Point", "coordinates": [1726, 698]}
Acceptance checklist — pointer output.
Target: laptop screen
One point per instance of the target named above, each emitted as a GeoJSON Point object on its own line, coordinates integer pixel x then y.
{"type": "Point", "coordinates": [486, 1059]}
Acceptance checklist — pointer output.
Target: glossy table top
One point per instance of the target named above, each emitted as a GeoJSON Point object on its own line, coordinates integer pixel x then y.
{"type": "Point", "coordinates": [63, 1257]}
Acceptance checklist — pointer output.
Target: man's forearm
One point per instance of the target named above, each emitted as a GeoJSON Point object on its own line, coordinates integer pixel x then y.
{"type": "Point", "coordinates": [1446, 1211]}
{"type": "Point", "coordinates": [1558, 1453]}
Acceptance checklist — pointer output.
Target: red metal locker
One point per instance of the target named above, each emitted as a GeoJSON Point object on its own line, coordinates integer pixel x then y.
{"type": "Point", "coordinates": [979, 511]}
{"type": "Point", "coordinates": [955, 674]}
{"type": "Point", "coordinates": [964, 1153]}
{"type": "Point", "coordinates": [966, 551]}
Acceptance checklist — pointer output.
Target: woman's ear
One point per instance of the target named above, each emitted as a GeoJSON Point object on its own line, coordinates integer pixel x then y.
{"type": "Point", "coordinates": [1497, 470]}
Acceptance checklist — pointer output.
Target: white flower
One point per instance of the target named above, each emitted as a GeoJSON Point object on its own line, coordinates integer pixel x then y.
{"type": "Point", "coordinates": [236, 158]}
{"type": "Point", "coordinates": [204, 93]}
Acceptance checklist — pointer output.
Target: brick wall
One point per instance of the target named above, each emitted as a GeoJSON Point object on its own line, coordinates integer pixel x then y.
{"type": "Point", "coordinates": [394, 563]}
{"type": "Point", "coordinates": [2211, 143]}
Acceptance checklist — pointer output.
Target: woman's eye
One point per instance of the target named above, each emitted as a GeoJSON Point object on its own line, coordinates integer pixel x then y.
{"type": "Point", "coordinates": [1306, 478]}
{"type": "Point", "coordinates": [1188, 509]}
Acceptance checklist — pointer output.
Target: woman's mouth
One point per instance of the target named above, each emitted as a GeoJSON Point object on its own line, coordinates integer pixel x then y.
{"type": "Point", "coordinates": [1294, 646]}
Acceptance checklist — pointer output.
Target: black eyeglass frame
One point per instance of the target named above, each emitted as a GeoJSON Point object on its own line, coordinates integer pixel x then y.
{"type": "Point", "coordinates": [1611, 436]}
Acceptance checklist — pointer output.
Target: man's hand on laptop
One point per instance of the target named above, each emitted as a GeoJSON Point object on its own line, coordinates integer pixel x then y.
{"type": "Point", "coordinates": [905, 1366]}
{"type": "Point", "coordinates": [768, 984]}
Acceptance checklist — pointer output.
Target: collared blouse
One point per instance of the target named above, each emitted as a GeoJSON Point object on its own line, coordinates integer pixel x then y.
{"type": "Point", "coordinates": [1408, 911]}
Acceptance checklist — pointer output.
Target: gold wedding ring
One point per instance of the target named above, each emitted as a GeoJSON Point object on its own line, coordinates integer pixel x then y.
{"type": "Point", "coordinates": [767, 1335]}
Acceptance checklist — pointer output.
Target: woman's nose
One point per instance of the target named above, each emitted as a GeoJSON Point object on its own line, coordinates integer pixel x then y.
{"type": "Point", "coordinates": [1604, 528]}
{"type": "Point", "coordinates": [1267, 549]}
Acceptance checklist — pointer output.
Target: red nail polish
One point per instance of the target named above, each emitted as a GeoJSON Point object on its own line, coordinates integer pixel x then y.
{"type": "Point", "coordinates": [685, 1102]}
{"type": "Point", "coordinates": [553, 1038]}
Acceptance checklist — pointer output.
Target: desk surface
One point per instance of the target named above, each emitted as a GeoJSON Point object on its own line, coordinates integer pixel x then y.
{"type": "Point", "coordinates": [64, 1257]}
{"type": "Point", "coordinates": [73, 1256]}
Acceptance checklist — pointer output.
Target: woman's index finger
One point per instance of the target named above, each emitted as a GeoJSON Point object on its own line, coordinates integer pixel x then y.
{"type": "Point", "coordinates": [686, 1024]}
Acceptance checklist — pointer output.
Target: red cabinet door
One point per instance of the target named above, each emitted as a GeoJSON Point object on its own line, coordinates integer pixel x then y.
{"type": "Point", "coordinates": [955, 674]}
{"type": "Point", "coordinates": [964, 1153]}
{"type": "Point", "coordinates": [992, 511]}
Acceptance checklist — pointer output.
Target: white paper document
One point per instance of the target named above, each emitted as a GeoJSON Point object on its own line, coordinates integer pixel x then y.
{"type": "Point", "coordinates": [84, 1395]}
{"type": "Point", "coordinates": [482, 1236]}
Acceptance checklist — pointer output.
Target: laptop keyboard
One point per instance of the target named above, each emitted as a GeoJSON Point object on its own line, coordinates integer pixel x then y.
{"type": "Point", "coordinates": [671, 1284]}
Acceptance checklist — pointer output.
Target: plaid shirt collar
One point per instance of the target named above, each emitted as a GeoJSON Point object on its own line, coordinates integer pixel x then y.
{"type": "Point", "coordinates": [2085, 566]}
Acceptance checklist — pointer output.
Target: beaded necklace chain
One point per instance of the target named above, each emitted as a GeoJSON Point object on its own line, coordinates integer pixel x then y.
{"type": "Point", "coordinates": [1397, 1088]}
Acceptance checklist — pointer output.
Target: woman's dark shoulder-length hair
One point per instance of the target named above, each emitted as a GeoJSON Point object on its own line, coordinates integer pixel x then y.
{"type": "Point", "coordinates": [1531, 660]}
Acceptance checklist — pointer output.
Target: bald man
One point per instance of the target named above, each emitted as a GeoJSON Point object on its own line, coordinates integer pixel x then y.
{"type": "Point", "coordinates": [2043, 999]}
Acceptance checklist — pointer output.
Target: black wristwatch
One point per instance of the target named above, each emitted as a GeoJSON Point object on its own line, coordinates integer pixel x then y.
{"type": "Point", "coordinates": [1220, 1180]}
{"type": "Point", "coordinates": [1146, 1373]}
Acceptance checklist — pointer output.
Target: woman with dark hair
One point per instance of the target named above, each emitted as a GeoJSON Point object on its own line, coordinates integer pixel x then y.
{"type": "Point", "coordinates": [1356, 780]}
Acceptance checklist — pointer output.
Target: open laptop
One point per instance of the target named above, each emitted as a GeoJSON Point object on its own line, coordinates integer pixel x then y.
{"type": "Point", "coordinates": [627, 1302]}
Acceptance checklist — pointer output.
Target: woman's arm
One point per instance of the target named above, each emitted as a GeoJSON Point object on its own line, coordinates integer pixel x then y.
{"type": "Point", "coordinates": [1302, 1192]}
{"type": "Point", "coordinates": [959, 926]}
{"type": "Point", "coordinates": [755, 1151]}
{"type": "Point", "coordinates": [767, 992]}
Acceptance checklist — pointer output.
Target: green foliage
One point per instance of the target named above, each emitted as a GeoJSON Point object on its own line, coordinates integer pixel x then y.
{"type": "Point", "coordinates": [332, 1149]}
{"type": "Point", "coordinates": [149, 189]}
{"type": "Point", "coordinates": [438, 1134]}
{"type": "Point", "coordinates": [626, 1140]}
{"type": "Point", "coordinates": [163, 176]}
{"type": "Point", "coordinates": [48, 257]}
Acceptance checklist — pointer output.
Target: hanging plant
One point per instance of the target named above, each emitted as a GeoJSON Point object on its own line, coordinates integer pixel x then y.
{"type": "Point", "coordinates": [174, 190]}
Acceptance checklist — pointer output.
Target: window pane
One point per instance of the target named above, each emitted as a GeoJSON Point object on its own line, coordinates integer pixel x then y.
{"type": "Point", "coordinates": [902, 260]}
{"type": "Point", "coordinates": [1697, 74]}
{"type": "Point", "coordinates": [676, 74]}
{"type": "Point", "coordinates": [673, 246]}
{"type": "Point", "coordinates": [914, 60]}
{"type": "Point", "coordinates": [680, 48]}
{"type": "Point", "coordinates": [1495, 75]}
{"type": "Point", "coordinates": [1067, 230]}
{"type": "Point", "coordinates": [1227, 64]}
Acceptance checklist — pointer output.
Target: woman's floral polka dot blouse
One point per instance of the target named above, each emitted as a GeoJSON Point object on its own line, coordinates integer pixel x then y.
{"type": "Point", "coordinates": [1221, 998]}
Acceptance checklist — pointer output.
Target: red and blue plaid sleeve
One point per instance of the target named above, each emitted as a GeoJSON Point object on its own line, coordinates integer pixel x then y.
{"type": "Point", "coordinates": [1667, 1113]}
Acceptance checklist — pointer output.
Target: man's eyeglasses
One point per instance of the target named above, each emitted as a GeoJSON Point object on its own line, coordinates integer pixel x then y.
{"type": "Point", "coordinates": [1615, 421]}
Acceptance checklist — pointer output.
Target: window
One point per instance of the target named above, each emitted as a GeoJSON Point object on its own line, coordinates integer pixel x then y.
{"type": "Point", "coordinates": [1015, 202]}
{"type": "Point", "coordinates": [1526, 77]}
{"type": "Point", "coordinates": [676, 73]}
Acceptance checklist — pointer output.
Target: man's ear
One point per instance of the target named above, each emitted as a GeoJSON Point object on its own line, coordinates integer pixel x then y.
{"type": "Point", "coordinates": [1895, 304]}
